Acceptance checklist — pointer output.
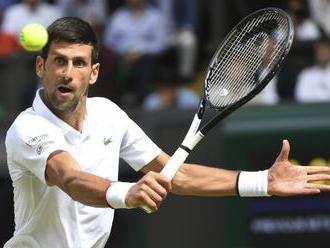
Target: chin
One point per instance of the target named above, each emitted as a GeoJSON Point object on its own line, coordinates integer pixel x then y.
{"type": "Point", "coordinates": [66, 106]}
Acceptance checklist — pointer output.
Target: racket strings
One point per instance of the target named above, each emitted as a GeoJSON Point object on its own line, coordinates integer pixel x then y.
{"type": "Point", "coordinates": [236, 73]}
{"type": "Point", "coordinates": [235, 53]}
{"type": "Point", "coordinates": [245, 33]}
{"type": "Point", "coordinates": [275, 53]}
{"type": "Point", "coordinates": [273, 58]}
{"type": "Point", "coordinates": [240, 72]}
{"type": "Point", "coordinates": [242, 59]}
{"type": "Point", "coordinates": [220, 68]}
{"type": "Point", "coordinates": [233, 58]}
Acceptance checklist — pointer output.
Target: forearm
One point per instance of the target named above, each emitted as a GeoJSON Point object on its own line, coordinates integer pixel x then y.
{"type": "Point", "coordinates": [86, 188]}
{"type": "Point", "coordinates": [200, 180]}
{"type": "Point", "coordinates": [63, 171]}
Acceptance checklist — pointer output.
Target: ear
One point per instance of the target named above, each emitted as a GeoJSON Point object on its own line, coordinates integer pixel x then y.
{"type": "Point", "coordinates": [94, 73]}
{"type": "Point", "coordinates": [40, 66]}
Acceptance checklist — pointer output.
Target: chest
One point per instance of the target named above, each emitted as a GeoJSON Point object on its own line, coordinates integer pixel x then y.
{"type": "Point", "coordinates": [97, 152]}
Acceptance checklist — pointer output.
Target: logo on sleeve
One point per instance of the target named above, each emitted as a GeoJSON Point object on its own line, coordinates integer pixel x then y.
{"type": "Point", "coordinates": [39, 142]}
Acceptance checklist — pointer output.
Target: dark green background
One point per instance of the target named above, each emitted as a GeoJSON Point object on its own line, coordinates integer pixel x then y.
{"type": "Point", "coordinates": [251, 139]}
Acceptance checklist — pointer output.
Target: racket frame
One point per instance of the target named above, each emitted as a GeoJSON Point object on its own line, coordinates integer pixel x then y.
{"type": "Point", "coordinates": [193, 136]}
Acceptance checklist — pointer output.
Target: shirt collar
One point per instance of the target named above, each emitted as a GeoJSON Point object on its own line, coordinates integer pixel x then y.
{"type": "Point", "coordinates": [41, 109]}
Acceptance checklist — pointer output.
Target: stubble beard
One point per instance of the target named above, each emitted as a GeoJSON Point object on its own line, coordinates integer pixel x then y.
{"type": "Point", "coordinates": [64, 106]}
{"type": "Point", "coordinates": [61, 106]}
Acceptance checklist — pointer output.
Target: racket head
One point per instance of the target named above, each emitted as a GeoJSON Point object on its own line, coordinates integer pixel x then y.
{"type": "Point", "coordinates": [248, 58]}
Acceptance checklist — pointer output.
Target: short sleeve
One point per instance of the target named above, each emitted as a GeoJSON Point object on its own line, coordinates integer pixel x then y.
{"type": "Point", "coordinates": [137, 149]}
{"type": "Point", "coordinates": [28, 148]}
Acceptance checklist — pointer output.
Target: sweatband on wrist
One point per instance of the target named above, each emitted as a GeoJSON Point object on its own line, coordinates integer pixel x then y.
{"type": "Point", "coordinates": [253, 184]}
{"type": "Point", "coordinates": [116, 194]}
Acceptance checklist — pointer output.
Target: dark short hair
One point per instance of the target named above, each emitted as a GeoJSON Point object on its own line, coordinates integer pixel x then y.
{"type": "Point", "coordinates": [72, 30]}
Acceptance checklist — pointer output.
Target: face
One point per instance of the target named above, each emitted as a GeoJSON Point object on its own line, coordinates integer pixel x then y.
{"type": "Point", "coordinates": [136, 3]}
{"type": "Point", "coordinates": [322, 53]}
{"type": "Point", "coordinates": [66, 75]}
{"type": "Point", "coordinates": [32, 3]}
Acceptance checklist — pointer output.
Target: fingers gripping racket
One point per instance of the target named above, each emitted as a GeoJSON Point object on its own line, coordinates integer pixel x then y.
{"type": "Point", "coordinates": [243, 64]}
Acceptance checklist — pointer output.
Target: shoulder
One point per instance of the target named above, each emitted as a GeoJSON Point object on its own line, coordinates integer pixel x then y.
{"type": "Point", "coordinates": [95, 103]}
{"type": "Point", "coordinates": [154, 12]}
{"type": "Point", "coordinates": [103, 107]}
{"type": "Point", "coordinates": [47, 6]}
{"type": "Point", "coordinates": [122, 12]}
{"type": "Point", "coordinates": [14, 9]}
{"type": "Point", "coordinates": [103, 113]}
{"type": "Point", "coordinates": [52, 11]}
{"type": "Point", "coordinates": [310, 72]}
{"type": "Point", "coordinates": [17, 6]}
{"type": "Point", "coordinates": [29, 124]}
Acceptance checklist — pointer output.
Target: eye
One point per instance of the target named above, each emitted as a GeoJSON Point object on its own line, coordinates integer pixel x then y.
{"type": "Point", "coordinates": [79, 63]}
{"type": "Point", "coordinates": [60, 61]}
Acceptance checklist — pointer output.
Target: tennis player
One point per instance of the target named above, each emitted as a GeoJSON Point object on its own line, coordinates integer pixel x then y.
{"type": "Point", "coordinates": [63, 155]}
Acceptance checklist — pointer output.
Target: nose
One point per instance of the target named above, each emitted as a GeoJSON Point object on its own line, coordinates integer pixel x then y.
{"type": "Point", "coordinates": [67, 70]}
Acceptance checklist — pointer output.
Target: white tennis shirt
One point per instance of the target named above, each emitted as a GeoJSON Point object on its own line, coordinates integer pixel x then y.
{"type": "Point", "coordinates": [45, 216]}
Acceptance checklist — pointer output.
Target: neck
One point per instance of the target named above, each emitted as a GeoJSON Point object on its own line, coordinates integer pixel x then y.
{"type": "Point", "coordinates": [33, 7]}
{"type": "Point", "coordinates": [73, 116]}
{"type": "Point", "coordinates": [138, 10]}
{"type": "Point", "coordinates": [323, 65]}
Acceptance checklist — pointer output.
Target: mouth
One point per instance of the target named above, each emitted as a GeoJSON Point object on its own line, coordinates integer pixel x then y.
{"type": "Point", "coordinates": [64, 89]}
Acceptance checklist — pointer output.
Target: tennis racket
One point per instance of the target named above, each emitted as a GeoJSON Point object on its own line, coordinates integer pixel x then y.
{"type": "Point", "coordinates": [244, 63]}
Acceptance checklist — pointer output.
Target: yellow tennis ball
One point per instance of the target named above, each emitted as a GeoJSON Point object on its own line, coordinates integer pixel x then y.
{"type": "Point", "coordinates": [33, 37]}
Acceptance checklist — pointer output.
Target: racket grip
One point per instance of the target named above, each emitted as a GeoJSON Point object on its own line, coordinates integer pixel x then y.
{"type": "Point", "coordinates": [171, 168]}
{"type": "Point", "coordinates": [174, 163]}
{"type": "Point", "coordinates": [146, 209]}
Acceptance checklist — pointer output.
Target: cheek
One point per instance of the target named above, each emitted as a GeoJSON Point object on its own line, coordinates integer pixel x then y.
{"type": "Point", "coordinates": [82, 81]}
{"type": "Point", "coordinates": [87, 78]}
{"type": "Point", "coordinates": [51, 73]}
{"type": "Point", "coordinates": [50, 78]}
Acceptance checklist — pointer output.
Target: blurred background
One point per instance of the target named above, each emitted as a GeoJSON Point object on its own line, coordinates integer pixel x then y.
{"type": "Point", "coordinates": [154, 54]}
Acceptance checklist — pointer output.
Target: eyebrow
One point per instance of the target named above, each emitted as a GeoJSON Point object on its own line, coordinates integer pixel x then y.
{"type": "Point", "coordinates": [58, 54]}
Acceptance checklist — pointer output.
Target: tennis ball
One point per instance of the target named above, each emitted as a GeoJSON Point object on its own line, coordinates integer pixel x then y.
{"type": "Point", "coordinates": [33, 37]}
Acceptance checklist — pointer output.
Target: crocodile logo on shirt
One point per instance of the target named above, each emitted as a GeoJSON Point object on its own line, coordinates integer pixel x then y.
{"type": "Point", "coordinates": [107, 141]}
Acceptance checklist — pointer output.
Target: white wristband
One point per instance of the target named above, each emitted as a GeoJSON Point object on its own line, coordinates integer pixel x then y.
{"type": "Point", "coordinates": [116, 194]}
{"type": "Point", "coordinates": [252, 184]}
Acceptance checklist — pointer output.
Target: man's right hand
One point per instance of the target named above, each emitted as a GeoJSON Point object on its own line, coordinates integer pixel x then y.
{"type": "Point", "coordinates": [149, 192]}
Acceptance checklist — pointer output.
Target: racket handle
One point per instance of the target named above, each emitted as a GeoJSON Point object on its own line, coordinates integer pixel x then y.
{"type": "Point", "coordinates": [146, 209]}
{"type": "Point", "coordinates": [174, 163]}
{"type": "Point", "coordinates": [171, 168]}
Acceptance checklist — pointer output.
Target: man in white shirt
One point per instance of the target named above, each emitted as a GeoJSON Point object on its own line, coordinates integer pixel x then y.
{"type": "Point", "coordinates": [63, 156]}
{"type": "Point", "coordinates": [135, 33]}
{"type": "Point", "coordinates": [313, 83]}
{"type": "Point", "coordinates": [18, 15]}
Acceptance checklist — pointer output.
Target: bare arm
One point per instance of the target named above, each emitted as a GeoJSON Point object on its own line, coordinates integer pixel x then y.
{"type": "Point", "coordinates": [193, 179]}
{"type": "Point", "coordinates": [284, 178]}
{"type": "Point", "coordinates": [204, 181]}
{"type": "Point", "coordinates": [64, 171]}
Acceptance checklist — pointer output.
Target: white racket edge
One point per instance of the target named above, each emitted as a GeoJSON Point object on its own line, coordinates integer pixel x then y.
{"type": "Point", "coordinates": [180, 155]}
{"type": "Point", "coordinates": [177, 159]}
{"type": "Point", "coordinates": [192, 130]}
{"type": "Point", "coordinates": [171, 168]}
